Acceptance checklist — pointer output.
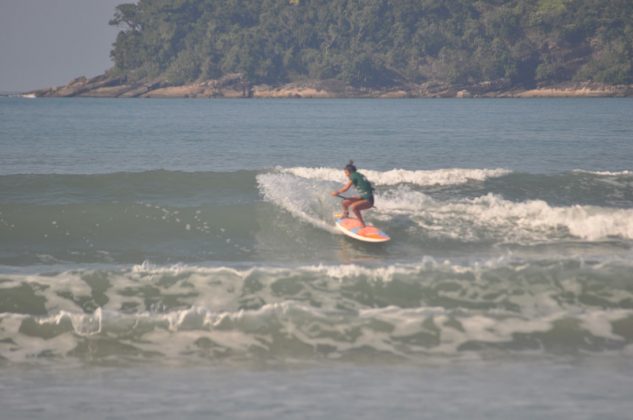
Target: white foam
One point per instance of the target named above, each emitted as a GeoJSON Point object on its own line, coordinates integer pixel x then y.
{"type": "Point", "coordinates": [306, 200]}
{"type": "Point", "coordinates": [586, 222]}
{"type": "Point", "coordinates": [327, 315]}
{"type": "Point", "coordinates": [83, 324]}
{"type": "Point", "coordinates": [491, 216]}
{"type": "Point", "coordinates": [605, 173]}
{"type": "Point", "coordinates": [439, 177]}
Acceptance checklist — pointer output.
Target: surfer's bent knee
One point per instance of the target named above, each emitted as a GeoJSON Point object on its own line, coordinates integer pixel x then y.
{"type": "Point", "coordinates": [363, 204]}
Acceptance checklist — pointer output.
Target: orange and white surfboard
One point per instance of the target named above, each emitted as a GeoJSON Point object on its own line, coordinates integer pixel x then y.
{"type": "Point", "coordinates": [352, 228]}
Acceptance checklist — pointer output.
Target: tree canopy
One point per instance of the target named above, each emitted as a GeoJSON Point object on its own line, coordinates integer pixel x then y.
{"type": "Point", "coordinates": [377, 43]}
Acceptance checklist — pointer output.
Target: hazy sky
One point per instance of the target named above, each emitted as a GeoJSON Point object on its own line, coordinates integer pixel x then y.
{"type": "Point", "coordinates": [49, 42]}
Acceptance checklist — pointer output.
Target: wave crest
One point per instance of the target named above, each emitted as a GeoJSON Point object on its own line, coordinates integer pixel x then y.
{"type": "Point", "coordinates": [425, 178]}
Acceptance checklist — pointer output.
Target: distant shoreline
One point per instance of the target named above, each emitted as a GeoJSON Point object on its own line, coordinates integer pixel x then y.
{"type": "Point", "coordinates": [234, 86]}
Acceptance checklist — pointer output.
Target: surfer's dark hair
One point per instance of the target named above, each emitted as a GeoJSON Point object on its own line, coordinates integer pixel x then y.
{"type": "Point", "coordinates": [350, 166]}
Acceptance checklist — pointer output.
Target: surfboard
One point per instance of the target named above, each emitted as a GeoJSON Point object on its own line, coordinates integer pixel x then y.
{"type": "Point", "coordinates": [352, 228]}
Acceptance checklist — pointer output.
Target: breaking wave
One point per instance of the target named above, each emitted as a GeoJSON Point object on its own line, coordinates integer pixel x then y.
{"type": "Point", "coordinates": [286, 214]}
{"type": "Point", "coordinates": [488, 217]}
{"type": "Point", "coordinates": [492, 217]}
{"type": "Point", "coordinates": [344, 312]}
{"type": "Point", "coordinates": [453, 176]}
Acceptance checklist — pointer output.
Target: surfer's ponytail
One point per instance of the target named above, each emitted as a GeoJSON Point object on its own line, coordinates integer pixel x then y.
{"type": "Point", "coordinates": [350, 166]}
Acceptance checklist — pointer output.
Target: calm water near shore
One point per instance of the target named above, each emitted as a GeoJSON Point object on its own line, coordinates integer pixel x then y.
{"type": "Point", "coordinates": [475, 390]}
{"type": "Point", "coordinates": [163, 258]}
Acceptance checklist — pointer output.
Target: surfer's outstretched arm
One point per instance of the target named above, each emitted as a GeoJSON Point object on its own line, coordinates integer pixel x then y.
{"type": "Point", "coordinates": [342, 190]}
{"type": "Point", "coordinates": [347, 200]}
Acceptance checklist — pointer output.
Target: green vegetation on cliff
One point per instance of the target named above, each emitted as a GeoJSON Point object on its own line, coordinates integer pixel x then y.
{"type": "Point", "coordinates": [374, 43]}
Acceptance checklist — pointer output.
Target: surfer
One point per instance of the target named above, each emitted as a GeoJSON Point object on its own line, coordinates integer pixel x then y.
{"type": "Point", "coordinates": [363, 186]}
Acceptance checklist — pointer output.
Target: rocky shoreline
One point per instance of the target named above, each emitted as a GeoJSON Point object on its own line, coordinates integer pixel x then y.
{"type": "Point", "coordinates": [235, 86]}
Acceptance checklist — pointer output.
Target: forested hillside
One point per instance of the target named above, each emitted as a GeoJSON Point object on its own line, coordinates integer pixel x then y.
{"type": "Point", "coordinates": [376, 43]}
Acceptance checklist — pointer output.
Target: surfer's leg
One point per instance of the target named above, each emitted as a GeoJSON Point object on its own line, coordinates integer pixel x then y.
{"type": "Point", "coordinates": [347, 203]}
{"type": "Point", "coordinates": [358, 206]}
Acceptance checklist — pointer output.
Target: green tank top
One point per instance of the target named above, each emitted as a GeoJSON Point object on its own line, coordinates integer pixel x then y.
{"type": "Point", "coordinates": [362, 185]}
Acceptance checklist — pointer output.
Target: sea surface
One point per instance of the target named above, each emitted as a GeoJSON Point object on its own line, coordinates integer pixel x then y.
{"type": "Point", "coordinates": [177, 258]}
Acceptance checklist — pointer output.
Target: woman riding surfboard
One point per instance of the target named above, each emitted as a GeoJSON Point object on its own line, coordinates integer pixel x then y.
{"type": "Point", "coordinates": [363, 186]}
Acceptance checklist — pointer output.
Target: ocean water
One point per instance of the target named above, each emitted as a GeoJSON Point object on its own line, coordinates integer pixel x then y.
{"type": "Point", "coordinates": [163, 258]}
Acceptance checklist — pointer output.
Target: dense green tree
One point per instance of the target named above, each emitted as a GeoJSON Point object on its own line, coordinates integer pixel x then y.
{"type": "Point", "coordinates": [375, 43]}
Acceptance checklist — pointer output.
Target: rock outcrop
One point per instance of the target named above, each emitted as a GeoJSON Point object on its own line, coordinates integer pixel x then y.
{"type": "Point", "coordinates": [235, 85]}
